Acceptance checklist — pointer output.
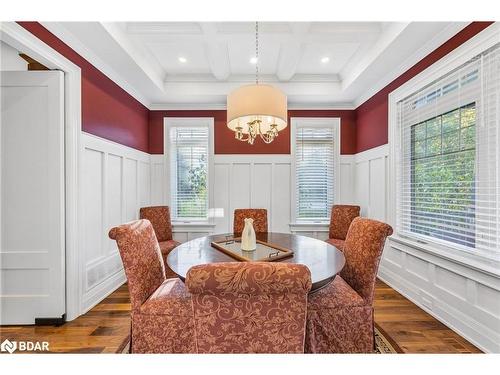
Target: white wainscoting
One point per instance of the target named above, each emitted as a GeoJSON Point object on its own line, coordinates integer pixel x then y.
{"type": "Point", "coordinates": [462, 297]}
{"type": "Point", "coordinates": [259, 181]}
{"type": "Point", "coordinates": [116, 182]}
{"type": "Point", "coordinates": [370, 182]}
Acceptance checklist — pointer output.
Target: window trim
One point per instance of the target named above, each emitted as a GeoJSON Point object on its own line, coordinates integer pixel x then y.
{"type": "Point", "coordinates": [208, 122]}
{"type": "Point", "coordinates": [319, 122]}
{"type": "Point", "coordinates": [473, 47]}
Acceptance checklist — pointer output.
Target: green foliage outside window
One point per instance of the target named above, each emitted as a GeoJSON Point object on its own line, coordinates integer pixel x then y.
{"type": "Point", "coordinates": [443, 176]}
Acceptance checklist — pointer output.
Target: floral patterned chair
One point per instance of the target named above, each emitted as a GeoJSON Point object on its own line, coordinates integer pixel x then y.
{"type": "Point", "coordinates": [340, 220]}
{"type": "Point", "coordinates": [259, 216]}
{"type": "Point", "coordinates": [159, 216]}
{"type": "Point", "coordinates": [340, 316]}
{"type": "Point", "coordinates": [162, 317]}
{"type": "Point", "coordinates": [249, 307]}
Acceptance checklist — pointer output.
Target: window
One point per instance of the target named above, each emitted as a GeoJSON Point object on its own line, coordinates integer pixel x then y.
{"type": "Point", "coordinates": [447, 159]}
{"type": "Point", "coordinates": [315, 154]}
{"type": "Point", "coordinates": [443, 155]}
{"type": "Point", "coordinates": [189, 154]}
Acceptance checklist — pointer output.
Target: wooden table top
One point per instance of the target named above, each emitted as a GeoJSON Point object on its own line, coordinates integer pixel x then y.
{"type": "Point", "coordinates": [323, 260]}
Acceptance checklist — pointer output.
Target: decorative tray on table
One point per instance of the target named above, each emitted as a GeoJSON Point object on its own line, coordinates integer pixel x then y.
{"type": "Point", "coordinates": [265, 252]}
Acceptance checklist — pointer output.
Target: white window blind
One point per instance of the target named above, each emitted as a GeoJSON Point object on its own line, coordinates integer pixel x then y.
{"type": "Point", "coordinates": [314, 171]}
{"type": "Point", "coordinates": [188, 172]}
{"type": "Point", "coordinates": [448, 170]}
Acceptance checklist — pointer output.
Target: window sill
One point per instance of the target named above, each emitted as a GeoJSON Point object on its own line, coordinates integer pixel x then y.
{"type": "Point", "coordinates": [320, 226]}
{"type": "Point", "coordinates": [478, 263]}
{"type": "Point", "coordinates": [192, 226]}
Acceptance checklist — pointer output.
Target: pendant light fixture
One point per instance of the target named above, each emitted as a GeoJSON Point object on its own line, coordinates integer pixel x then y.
{"type": "Point", "coordinates": [256, 110]}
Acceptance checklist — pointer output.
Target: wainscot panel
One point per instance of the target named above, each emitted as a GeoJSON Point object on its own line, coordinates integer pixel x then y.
{"type": "Point", "coordinates": [116, 183]}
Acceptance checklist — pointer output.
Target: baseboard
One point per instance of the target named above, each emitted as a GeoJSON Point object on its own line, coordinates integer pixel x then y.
{"type": "Point", "coordinates": [480, 340]}
{"type": "Point", "coordinates": [102, 290]}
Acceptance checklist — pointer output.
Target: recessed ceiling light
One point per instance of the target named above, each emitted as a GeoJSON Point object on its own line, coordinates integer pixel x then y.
{"type": "Point", "coordinates": [182, 59]}
{"type": "Point", "coordinates": [325, 59]}
{"type": "Point", "coordinates": [253, 60]}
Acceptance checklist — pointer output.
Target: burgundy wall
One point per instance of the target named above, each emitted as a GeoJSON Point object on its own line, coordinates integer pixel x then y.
{"type": "Point", "coordinates": [224, 137]}
{"type": "Point", "coordinates": [107, 110]}
{"type": "Point", "coordinates": [372, 115]}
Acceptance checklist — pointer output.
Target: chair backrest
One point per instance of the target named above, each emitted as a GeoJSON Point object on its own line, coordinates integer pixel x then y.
{"type": "Point", "coordinates": [363, 249]}
{"type": "Point", "coordinates": [159, 216]}
{"type": "Point", "coordinates": [259, 216]}
{"type": "Point", "coordinates": [249, 307]}
{"type": "Point", "coordinates": [340, 220]}
{"type": "Point", "coordinates": [141, 259]}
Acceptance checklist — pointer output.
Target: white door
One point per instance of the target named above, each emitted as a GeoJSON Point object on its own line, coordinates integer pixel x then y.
{"type": "Point", "coordinates": [32, 252]}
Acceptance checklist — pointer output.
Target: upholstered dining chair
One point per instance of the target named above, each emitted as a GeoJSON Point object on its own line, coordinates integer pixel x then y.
{"type": "Point", "coordinates": [249, 307]}
{"type": "Point", "coordinates": [159, 216]}
{"type": "Point", "coordinates": [340, 316]}
{"type": "Point", "coordinates": [162, 318]}
{"type": "Point", "coordinates": [340, 220]}
{"type": "Point", "coordinates": [259, 216]}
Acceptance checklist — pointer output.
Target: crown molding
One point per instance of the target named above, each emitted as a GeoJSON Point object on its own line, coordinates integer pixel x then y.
{"type": "Point", "coordinates": [450, 31]}
{"type": "Point", "coordinates": [67, 37]}
{"type": "Point", "coordinates": [222, 106]}
{"type": "Point", "coordinates": [187, 106]}
{"type": "Point", "coordinates": [250, 78]}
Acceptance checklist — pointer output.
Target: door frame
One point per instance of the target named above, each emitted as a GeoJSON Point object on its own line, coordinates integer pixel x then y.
{"type": "Point", "coordinates": [21, 39]}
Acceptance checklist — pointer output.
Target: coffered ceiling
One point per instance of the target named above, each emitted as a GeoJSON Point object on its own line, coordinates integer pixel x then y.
{"type": "Point", "coordinates": [195, 64]}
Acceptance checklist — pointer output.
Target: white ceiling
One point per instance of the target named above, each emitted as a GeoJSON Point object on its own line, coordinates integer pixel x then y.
{"type": "Point", "coordinates": [144, 57]}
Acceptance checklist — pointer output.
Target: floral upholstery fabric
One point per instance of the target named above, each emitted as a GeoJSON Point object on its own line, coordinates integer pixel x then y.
{"type": "Point", "coordinates": [165, 322]}
{"type": "Point", "coordinates": [141, 259]}
{"type": "Point", "coordinates": [340, 316]}
{"type": "Point", "coordinates": [162, 334]}
{"type": "Point", "coordinates": [256, 307]}
{"type": "Point", "coordinates": [339, 244]}
{"type": "Point", "coordinates": [338, 321]}
{"type": "Point", "coordinates": [336, 294]}
{"type": "Point", "coordinates": [259, 216]}
{"type": "Point", "coordinates": [171, 298]}
{"type": "Point", "coordinates": [166, 247]}
{"type": "Point", "coordinates": [162, 320]}
{"type": "Point", "coordinates": [362, 250]}
{"type": "Point", "coordinates": [340, 330]}
{"type": "Point", "coordinates": [159, 216]}
{"type": "Point", "coordinates": [340, 220]}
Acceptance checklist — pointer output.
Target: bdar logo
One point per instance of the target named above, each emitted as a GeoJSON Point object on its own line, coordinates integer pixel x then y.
{"type": "Point", "coordinates": [8, 346]}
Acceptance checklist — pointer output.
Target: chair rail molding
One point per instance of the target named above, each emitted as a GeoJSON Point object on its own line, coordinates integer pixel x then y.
{"type": "Point", "coordinates": [21, 39]}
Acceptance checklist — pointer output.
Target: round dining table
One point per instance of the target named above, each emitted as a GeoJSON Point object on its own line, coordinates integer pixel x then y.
{"type": "Point", "coordinates": [323, 260]}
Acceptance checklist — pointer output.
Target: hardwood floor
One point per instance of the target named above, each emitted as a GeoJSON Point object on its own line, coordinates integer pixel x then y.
{"type": "Point", "coordinates": [105, 327]}
{"type": "Point", "coordinates": [413, 330]}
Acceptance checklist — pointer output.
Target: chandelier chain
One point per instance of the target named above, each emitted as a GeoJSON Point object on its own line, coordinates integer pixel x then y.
{"type": "Point", "coordinates": [256, 52]}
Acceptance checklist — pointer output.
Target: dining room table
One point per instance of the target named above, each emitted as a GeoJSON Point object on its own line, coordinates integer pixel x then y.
{"type": "Point", "coordinates": [324, 261]}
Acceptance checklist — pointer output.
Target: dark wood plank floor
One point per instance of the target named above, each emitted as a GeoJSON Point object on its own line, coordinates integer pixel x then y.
{"type": "Point", "coordinates": [105, 327]}
{"type": "Point", "coordinates": [411, 328]}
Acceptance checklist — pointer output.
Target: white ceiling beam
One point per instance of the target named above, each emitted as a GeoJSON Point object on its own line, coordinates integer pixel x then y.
{"type": "Point", "coordinates": [291, 52]}
{"type": "Point", "coordinates": [216, 52]}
